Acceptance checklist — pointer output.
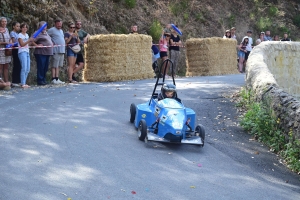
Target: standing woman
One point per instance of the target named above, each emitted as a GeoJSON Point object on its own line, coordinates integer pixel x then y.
{"type": "Point", "coordinates": [163, 48]}
{"type": "Point", "coordinates": [23, 54]}
{"type": "Point", "coordinates": [242, 52]}
{"type": "Point", "coordinates": [4, 40]}
{"type": "Point", "coordinates": [14, 34]}
{"type": "Point", "coordinates": [175, 43]}
{"type": "Point", "coordinates": [71, 38]}
{"type": "Point", "coordinates": [42, 55]}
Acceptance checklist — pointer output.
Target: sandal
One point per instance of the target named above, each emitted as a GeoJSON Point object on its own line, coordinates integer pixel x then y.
{"type": "Point", "coordinates": [72, 81]}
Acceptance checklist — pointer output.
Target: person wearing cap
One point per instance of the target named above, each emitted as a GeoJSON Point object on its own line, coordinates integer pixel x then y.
{"type": "Point", "coordinates": [261, 38]}
{"type": "Point", "coordinates": [232, 32]}
{"type": "Point", "coordinates": [268, 36]}
{"type": "Point", "coordinates": [227, 34]}
{"type": "Point", "coordinates": [242, 52]}
{"type": "Point", "coordinates": [285, 37]}
{"type": "Point", "coordinates": [249, 46]}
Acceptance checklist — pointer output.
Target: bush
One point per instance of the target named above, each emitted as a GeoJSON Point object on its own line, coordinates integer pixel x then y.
{"type": "Point", "coordinates": [273, 11]}
{"type": "Point", "coordinates": [296, 20]}
{"type": "Point", "coordinates": [261, 122]}
{"type": "Point", "coordinates": [178, 8]}
{"type": "Point", "coordinates": [263, 23]}
{"type": "Point", "coordinates": [155, 30]}
{"type": "Point", "coordinates": [130, 3]}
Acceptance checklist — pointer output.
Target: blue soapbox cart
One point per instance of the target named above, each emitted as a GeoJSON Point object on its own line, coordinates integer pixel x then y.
{"type": "Point", "coordinates": [166, 120]}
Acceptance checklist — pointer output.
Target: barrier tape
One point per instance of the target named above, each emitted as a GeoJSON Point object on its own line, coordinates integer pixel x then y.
{"type": "Point", "coordinates": [60, 45]}
{"type": "Point", "coordinates": [33, 47]}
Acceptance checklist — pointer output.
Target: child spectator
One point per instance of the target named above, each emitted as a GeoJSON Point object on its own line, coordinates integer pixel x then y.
{"type": "Point", "coordinates": [16, 71]}
{"type": "Point", "coordinates": [134, 29]}
{"type": "Point", "coordinates": [4, 85]}
{"type": "Point", "coordinates": [163, 47]}
{"type": "Point", "coordinates": [249, 47]}
{"type": "Point", "coordinates": [242, 52]}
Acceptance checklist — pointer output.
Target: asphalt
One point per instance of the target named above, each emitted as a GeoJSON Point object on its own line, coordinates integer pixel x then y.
{"type": "Point", "coordinates": [75, 141]}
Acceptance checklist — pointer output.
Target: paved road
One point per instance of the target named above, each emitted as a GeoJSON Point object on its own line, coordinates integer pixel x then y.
{"type": "Point", "coordinates": [76, 142]}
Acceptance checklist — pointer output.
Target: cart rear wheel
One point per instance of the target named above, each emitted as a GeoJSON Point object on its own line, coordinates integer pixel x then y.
{"type": "Point", "coordinates": [132, 112]}
{"type": "Point", "coordinates": [142, 131]}
{"type": "Point", "coordinates": [201, 132]}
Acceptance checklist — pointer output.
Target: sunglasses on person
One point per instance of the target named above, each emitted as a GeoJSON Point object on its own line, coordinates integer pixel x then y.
{"type": "Point", "coordinates": [167, 35]}
{"type": "Point", "coordinates": [72, 26]}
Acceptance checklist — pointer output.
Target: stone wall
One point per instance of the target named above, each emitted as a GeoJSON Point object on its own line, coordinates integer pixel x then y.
{"type": "Point", "coordinates": [272, 73]}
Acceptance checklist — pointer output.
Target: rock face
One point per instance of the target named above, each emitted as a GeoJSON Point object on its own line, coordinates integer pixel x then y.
{"type": "Point", "coordinates": [272, 70]}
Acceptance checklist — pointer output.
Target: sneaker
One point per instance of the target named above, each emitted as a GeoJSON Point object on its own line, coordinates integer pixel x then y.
{"type": "Point", "coordinates": [15, 85]}
{"type": "Point", "coordinates": [59, 82]}
{"type": "Point", "coordinates": [54, 81]}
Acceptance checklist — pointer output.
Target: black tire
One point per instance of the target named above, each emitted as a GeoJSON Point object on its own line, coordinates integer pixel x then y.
{"type": "Point", "coordinates": [132, 112]}
{"type": "Point", "coordinates": [201, 132]}
{"type": "Point", "coordinates": [142, 130]}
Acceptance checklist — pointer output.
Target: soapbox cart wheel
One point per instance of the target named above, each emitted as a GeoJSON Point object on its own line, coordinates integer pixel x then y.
{"type": "Point", "coordinates": [199, 131]}
{"type": "Point", "coordinates": [132, 112]}
{"type": "Point", "coordinates": [142, 130]}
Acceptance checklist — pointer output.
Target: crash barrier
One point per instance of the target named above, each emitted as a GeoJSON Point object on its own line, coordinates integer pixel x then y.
{"type": "Point", "coordinates": [272, 73]}
{"type": "Point", "coordinates": [119, 57]}
{"type": "Point", "coordinates": [211, 56]}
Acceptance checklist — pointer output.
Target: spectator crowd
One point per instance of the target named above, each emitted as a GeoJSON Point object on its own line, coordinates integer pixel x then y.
{"type": "Point", "coordinates": [55, 44]}
{"type": "Point", "coordinates": [46, 44]}
{"type": "Point", "coordinates": [245, 47]}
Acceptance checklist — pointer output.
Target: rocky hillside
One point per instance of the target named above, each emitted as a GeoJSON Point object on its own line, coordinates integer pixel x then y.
{"type": "Point", "coordinates": [196, 18]}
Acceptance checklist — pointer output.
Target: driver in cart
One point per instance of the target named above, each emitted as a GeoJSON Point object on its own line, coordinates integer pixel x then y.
{"type": "Point", "coordinates": [168, 91]}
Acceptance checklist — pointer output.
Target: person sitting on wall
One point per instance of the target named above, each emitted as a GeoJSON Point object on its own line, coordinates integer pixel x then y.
{"type": "Point", "coordinates": [134, 29]}
{"type": "Point", "coordinates": [168, 91]}
{"type": "Point", "coordinates": [4, 85]}
{"type": "Point", "coordinates": [285, 37]}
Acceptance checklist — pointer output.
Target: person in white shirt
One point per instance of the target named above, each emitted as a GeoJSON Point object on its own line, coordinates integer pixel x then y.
{"type": "Point", "coordinates": [248, 48]}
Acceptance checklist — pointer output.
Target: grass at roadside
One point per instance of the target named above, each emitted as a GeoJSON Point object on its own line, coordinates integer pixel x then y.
{"type": "Point", "coordinates": [260, 121]}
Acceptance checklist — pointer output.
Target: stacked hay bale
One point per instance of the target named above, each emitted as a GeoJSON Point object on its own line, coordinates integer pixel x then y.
{"type": "Point", "coordinates": [118, 57]}
{"type": "Point", "coordinates": [211, 56]}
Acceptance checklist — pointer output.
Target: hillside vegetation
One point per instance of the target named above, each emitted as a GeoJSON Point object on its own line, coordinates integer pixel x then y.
{"type": "Point", "coordinates": [196, 18]}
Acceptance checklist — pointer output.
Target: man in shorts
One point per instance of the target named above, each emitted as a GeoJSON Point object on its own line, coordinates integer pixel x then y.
{"type": "Point", "coordinates": [83, 36]}
{"type": "Point", "coordinates": [58, 38]}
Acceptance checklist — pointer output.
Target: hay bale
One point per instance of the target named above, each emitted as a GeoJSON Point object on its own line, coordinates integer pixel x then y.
{"type": "Point", "coordinates": [211, 56]}
{"type": "Point", "coordinates": [118, 57]}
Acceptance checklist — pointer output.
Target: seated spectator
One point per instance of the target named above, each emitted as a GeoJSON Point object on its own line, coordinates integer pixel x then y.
{"type": "Point", "coordinates": [4, 85]}
{"type": "Point", "coordinates": [268, 36]}
{"type": "Point", "coordinates": [134, 29]}
{"type": "Point", "coordinates": [285, 37]}
{"type": "Point", "coordinates": [276, 38]}
{"type": "Point", "coordinates": [227, 34]}
{"type": "Point", "coordinates": [261, 38]}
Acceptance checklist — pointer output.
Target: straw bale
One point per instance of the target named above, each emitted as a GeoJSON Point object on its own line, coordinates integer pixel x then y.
{"type": "Point", "coordinates": [211, 56]}
{"type": "Point", "coordinates": [119, 57]}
